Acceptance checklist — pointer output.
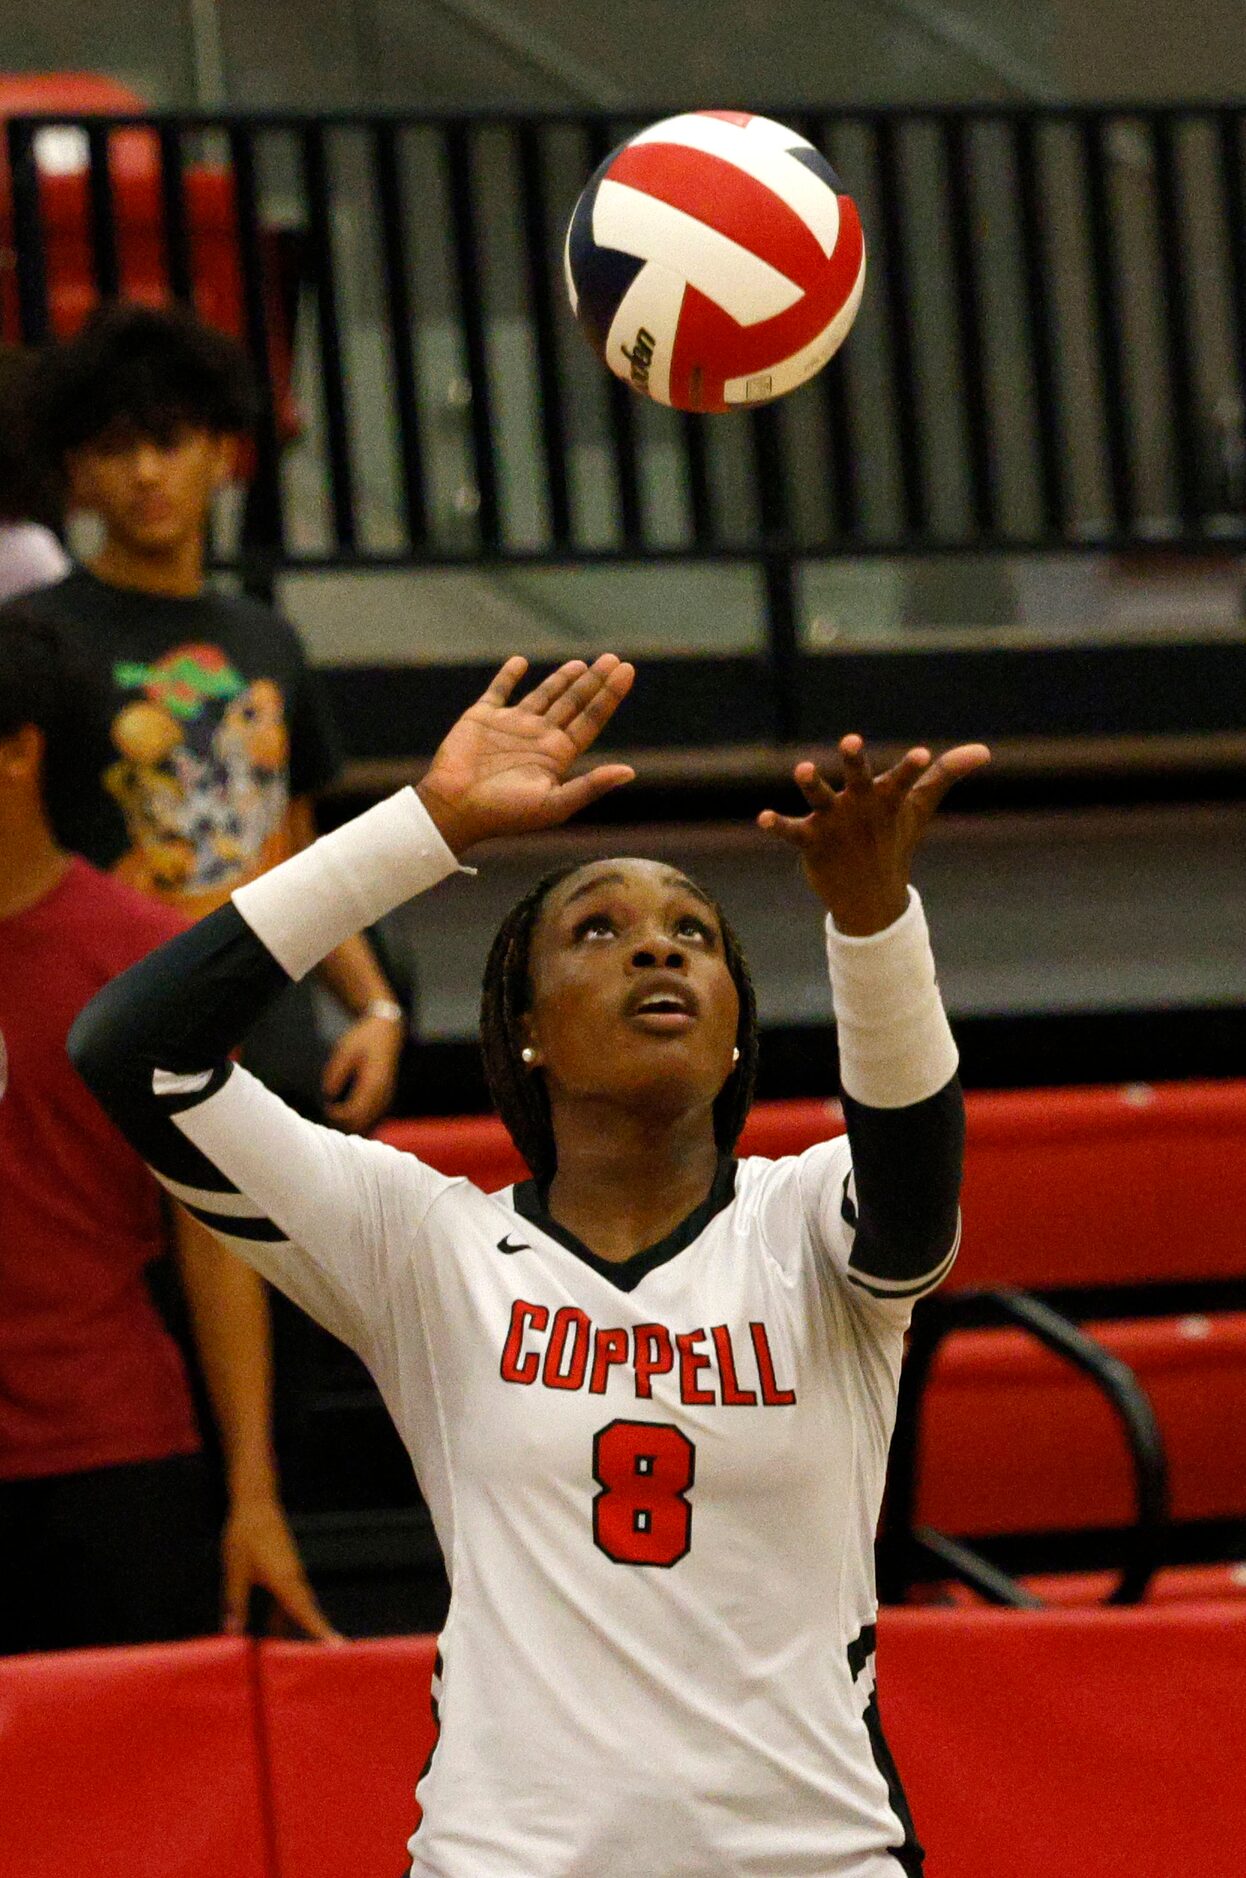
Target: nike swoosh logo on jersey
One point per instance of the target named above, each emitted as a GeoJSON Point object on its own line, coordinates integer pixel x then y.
{"type": "Point", "coordinates": [504, 1245]}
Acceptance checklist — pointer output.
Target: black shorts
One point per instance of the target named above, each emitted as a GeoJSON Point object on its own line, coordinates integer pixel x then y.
{"type": "Point", "coordinates": [127, 1554]}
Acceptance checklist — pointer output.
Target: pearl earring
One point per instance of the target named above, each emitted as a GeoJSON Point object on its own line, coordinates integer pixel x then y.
{"type": "Point", "coordinates": [528, 1054]}
{"type": "Point", "coordinates": [735, 1056]}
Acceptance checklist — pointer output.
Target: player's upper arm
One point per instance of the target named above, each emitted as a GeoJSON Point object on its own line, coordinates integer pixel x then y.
{"type": "Point", "coordinates": [324, 1216]}
{"type": "Point", "coordinates": [319, 1213]}
{"type": "Point", "coordinates": [882, 1206]}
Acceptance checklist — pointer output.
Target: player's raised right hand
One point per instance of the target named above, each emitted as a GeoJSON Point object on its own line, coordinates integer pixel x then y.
{"type": "Point", "coordinates": [505, 769]}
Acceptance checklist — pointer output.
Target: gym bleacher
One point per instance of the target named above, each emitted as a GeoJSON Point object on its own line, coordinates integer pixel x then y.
{"type": "Point", "coordinates": [1063, 1549]}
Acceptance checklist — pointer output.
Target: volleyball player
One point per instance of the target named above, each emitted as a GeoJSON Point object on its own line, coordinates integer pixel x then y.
{"type": "Point", "coordinates": [648, 1393]}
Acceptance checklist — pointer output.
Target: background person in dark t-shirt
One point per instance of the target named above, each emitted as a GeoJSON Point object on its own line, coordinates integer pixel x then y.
{"type": "Point", "coordinates": [218, 734]}
{"type": "Point", "coordinates": [109, 1514]}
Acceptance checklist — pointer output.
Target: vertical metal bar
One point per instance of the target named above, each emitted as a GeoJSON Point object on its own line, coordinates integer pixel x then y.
{"type": "Point", "coordinates": [399, 312]}
{"type": "Point", "coordinates": [177, 254]}
{"type": "Point", "coordinates": [1109, 337]}
{"type": "Point", "coordinates": [779, 579]}
{"type": "Point", "coordinates": [104, 258]}
{"type": "Point", "coordinates": [701, 507]}
{"type": "Point", "coordinates": [770, 481]}
{"type": "Point", "coordinates": [897, 301]}
{"type": "Point", "coordinates": [1176, 306]}
{"type": "Point", "coordinates": [29, 260]}
{"type": "Point", "coordinates": [534, 205]}
{"type": "Point", "coordinates": [472, 320]}
{"type": "Point", "coordinates": [264, 525]}
{"type": "Point", "coordinates": [968, 292]}
{"type": "Point", "coordinates": [332, 376]}
{"type": "Point", "coordinates": [626, 462]}
{"type": "Point", "coordinates": [845, 492]}
{"type": "Point", "coordinates": [1229, 140]}
{"type": "Point", "coordinates": [773, 513]}
{"type": "Point", "coordinates": [620, 399]}
{"type": "Point", "coordinates": [844, 487]}
{"type": "Point", "coordinates": [1035, 274]}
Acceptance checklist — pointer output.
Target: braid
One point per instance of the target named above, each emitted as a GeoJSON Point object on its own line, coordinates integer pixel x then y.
{"type": "Point", "coordinates": [520, 1097]}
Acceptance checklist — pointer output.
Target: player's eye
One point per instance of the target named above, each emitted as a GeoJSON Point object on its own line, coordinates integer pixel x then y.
{"type": "Point", "coordinates": [690, 924]}
{"type": "Point", "coordinates": [594, 926]}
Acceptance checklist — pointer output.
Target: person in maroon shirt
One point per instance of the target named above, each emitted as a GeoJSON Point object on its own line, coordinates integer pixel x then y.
{"type": "Point", "coordinates": [107, 1505]}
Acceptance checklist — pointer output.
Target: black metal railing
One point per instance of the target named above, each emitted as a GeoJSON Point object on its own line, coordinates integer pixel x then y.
{"type": "Point", "coordinates": [1051, 352]}
{"type": "Point", "coordinates": [909, 1552]}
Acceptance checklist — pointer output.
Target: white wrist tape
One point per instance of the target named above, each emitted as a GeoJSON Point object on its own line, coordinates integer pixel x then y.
{"type": "Point", "coordinates": [895, 1043]}
{"type": "Point", "coordinates": [309, 904]}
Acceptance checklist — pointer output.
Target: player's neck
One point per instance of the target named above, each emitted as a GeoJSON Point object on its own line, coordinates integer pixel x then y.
{"type": "Point", "coordinates": [174, 573]}
{"type": "Point", "coordinates": [626, 1180]}
{"type": "Point", "coordinates": [32, 863]}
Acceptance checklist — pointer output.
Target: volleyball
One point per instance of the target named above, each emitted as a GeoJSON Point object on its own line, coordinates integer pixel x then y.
{"type": "Point", "coordinates": [714, 261]}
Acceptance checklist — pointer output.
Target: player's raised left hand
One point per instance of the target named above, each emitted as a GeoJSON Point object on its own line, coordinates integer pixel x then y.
{"type": "Point", "coordinates": [505, 767]}
{"type": "Point", "coordinates": [856, 843]}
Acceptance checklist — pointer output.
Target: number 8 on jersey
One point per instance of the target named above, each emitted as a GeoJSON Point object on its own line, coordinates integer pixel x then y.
{"type": "Point", "coordinates": [642, 1515]}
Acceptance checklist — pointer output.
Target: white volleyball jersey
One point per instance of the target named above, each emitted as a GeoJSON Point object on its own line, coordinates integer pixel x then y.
{"type": "Point", "coordinates": [655, 1484]}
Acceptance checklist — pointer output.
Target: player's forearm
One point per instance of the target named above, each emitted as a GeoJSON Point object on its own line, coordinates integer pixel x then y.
{"type": "Point", "coordinates": [902, 1098]}
{"type": "Point", "coordinates": [352, 971]}
{"type": "Point", "coordinates": [306, 909]}
{"type": "Point", "coordinates": [231, 1327]}
{"type": "Point", "coordinates": [186, 1005]}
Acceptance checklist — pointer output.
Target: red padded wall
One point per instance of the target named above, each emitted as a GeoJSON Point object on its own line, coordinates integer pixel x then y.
{"type": "Point", "coordinates": [1069, 1744]}
{"type": "Point", "coordinates": [1056, 1744]}
{"type": "Point", "coordinates": [137, 1763]}
{"type": "Point", "coordinates": [347, 1733]}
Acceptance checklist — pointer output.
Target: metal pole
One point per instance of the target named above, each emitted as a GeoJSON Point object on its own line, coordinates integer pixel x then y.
{"type": "Point", "coordinates": [207, 52]}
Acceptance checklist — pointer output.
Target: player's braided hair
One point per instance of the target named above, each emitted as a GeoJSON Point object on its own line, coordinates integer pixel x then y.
{"type": "Point", "coordinates": [519, 1094]}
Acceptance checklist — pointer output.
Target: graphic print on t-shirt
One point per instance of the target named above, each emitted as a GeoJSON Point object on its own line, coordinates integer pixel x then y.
{"type": "Point", "coordinates": [202, 772]}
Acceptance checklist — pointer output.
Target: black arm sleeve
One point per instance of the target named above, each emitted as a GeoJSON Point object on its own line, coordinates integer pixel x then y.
{"type": "Point", "coordinates": [181, 1009]}
{"type": "Point", "coordinates": [320, 1214]}
{"type": "Point", "coordinates": [906, 1173]}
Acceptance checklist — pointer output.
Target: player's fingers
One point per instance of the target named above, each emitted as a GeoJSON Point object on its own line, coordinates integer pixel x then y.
{"type": "Point", "coordinates": [930, 789]}
{"type": "Point", "coordinates": [586, 685]}
{"type": "Point", "coordinates": [814, 786]}
{"type": "Point", "coordinates": [551, 689]}
{"type": "Point", "coordinates": [794, 829]}
{"type": "Point", "coordinates": [588, 723]}
{"type": "Point", "coordinates": [858, 775]}
{"type": "Point", "coordinates": [504, 680]}
{"type": "Point", "coordinates": [570, 797]}
{"type": "Point", "coordinates": [899, 779]}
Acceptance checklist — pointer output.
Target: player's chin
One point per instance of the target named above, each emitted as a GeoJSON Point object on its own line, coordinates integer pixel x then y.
{"type": "Point", "coordinates": [678, 1064]}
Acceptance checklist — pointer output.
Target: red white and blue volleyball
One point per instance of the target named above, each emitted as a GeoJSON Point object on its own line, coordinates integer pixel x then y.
{"type": "Point", "coordinates": [715, 261]}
